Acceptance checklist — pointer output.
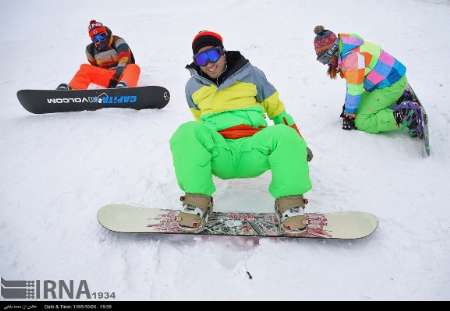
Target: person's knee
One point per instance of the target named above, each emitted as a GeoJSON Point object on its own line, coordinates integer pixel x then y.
{"type": "Point", "coordinates": [135, 68]}
{"type": "Point", "coordinates": [284, 137]}
{"type": "Point", "coordinates": [132, 71]}
{"type": "Point", "coordinates": [85, 67]}
{"type": "Point", "coordinates": [282, 131]}
{"type": "Point", "coordinates": [365, 123]}
{"type": "Point", "coordinates": [185, 131]}
{"type": "Point", "coordinates": [190, 126]}
{"type": "Point", "coordinates": [286, 133]}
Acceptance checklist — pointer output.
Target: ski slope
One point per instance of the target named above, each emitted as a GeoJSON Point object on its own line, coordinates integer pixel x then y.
{"type": "Point", "coordinates": [56, 170]}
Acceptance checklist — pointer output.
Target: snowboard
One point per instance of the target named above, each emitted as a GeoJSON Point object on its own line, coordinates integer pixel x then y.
{"type": "Point", "coordinates": [49, 101]}
{"type": "Point", "coordinates": [337, 225]}
{"type": "Point", "coordinates": [411, 95]}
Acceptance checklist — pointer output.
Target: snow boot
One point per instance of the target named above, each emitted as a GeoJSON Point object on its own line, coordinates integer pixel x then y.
{"type": "Point", "coordinates": [408, 95]}
{"type": "Point", "coordinates": [196, 209]}
{"type": "Point", "coordinates": [291, 214]}
{"type": "Point", "coordinates": [63, 87]}
{"type": "Point", "coordinates": [408, 114]}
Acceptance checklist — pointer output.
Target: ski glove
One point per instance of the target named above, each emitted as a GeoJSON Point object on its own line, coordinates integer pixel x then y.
{"type": "Point", "coordinates": [348, 120]}
{"type": "Point", "coordinates": [116, 78]}
{"type": "Point", "coordinates": [310, 155]}
{"type": "Point", "coordinates": [112, 83]}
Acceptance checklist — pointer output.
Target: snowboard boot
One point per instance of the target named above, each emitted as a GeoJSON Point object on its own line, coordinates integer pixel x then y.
{"type": "Point", "coordinates": [63, 87]}
{"type": "Point", "coordinates": [408, 95]}
{"type": "Point", "coordinates": [121, 85]}
{"type": "Point", "coordinates": [196, 209]}
{"type": "Point", "coordinates": [408, 114]}
{"type": "Point", "coordinates": [291, 214]}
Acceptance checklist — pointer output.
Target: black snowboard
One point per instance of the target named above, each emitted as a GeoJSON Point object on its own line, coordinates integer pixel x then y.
{"type": "Point", "coordinates": [48, 101]}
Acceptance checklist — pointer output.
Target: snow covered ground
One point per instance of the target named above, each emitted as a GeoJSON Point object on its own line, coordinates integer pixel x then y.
{"type": "Point", "coordinates": [57, 170]}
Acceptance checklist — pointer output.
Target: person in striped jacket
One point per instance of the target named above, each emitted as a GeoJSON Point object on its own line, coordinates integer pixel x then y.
{"type": "Point", "coordinates": [376, 83]}
{"type": "Point", "coordinates": [230, 138]}
{"type": "Point", "coordinates": [111, 62]}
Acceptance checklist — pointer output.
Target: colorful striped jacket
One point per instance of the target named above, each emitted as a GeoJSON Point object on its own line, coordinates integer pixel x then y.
{"type": "Point", "coordinates": [241, 97]}
{"type": "Point", "coordinates": [365, 67]}
{"type": "Point", "coordinates": [118, 56]}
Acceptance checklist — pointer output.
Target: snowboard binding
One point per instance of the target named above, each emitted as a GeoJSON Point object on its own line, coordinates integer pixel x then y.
{"type": "Point", "coordinates": [196, 209]}
{"type": "Point", "coordinates": [290, 211]}
{"type": "Point", "coordinates": [409, 114]}
{"type": "Point", "coordinates": [63, 87]}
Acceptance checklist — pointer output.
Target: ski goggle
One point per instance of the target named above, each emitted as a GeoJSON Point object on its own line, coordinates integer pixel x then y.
{"type": "Point", "coordinates": [99, 37]}
{"type": "Point", "coordinates": [325, 57]}
{"type": "Point", "coordinates": [211, 55]}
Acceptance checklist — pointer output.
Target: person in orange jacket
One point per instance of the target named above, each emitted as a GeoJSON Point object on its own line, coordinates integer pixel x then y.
{"type": "Point", "coordinates": [111, 62]}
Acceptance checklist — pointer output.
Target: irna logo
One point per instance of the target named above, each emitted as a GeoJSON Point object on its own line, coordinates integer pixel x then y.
{"type": "Point", "coordinates": [50, 289]}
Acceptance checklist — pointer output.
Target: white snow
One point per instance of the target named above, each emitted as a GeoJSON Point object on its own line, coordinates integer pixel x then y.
{"type": "Point", "coordinates": [56, 170]}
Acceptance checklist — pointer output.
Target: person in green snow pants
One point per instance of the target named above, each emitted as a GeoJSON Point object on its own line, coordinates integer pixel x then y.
{"type": "Point", "coordinates": [230, 138]}
{"type": "Point", "coordinates": [376, 83]}
{"type": "Point", "coordinates": [199, 153]}
{"type": "Point", "coordinates": [374, 114]}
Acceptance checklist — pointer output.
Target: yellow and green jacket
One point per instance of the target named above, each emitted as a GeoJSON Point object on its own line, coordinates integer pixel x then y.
{"type": "Point", "coordinates": [238, 100]}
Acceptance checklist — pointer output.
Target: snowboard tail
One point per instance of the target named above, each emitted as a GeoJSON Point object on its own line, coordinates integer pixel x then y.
{"type": "Point", "coordinates": [410, 95]}
{"type": "Point", "coordinates": [339, 225]}
{"type": "Point", "coordinates": [50, 101]}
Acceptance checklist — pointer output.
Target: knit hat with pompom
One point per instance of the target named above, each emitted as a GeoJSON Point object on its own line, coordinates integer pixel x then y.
{"type": "Point", "coordinates": [95, 28]}
{"type": "Point", "coordinates": [324, 39]}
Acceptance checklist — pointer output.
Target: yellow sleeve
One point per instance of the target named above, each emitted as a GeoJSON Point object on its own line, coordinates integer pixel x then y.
{"type": "Point", "coordinates": [196, 113]}
{"type": "Point", "coordinates": [273, 105]}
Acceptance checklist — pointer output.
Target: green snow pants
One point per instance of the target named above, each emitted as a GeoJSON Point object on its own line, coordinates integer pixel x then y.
{"type": "Point", "coordinates": [374, 114]}
{"type": "Point", "coordinates": [200, 152]}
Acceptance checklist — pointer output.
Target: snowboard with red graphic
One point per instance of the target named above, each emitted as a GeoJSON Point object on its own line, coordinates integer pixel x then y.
{"type": "Point", "coordinates": [336, 225]}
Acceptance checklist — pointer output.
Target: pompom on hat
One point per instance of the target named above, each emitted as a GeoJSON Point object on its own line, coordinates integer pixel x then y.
{"type": "Point", "coordinates": [324, 39]}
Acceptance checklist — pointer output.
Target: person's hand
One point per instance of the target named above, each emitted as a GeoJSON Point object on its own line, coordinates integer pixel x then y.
{"type": "Point", "coordinates": [348, 121]}
{"type": "Point", "coordinates": [309, 155]}
{"type": "Point", "coordinates": [116, 77]}
{"type": "Point", "coordinates": [112, 83]}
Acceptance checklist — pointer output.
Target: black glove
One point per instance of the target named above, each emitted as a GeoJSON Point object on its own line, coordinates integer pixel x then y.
{"type": "Point", "coordinates": [309, 155]}
{"type": "Point", "coordinates": [348, 122]}
{"type": "Point", "coordinates": [112, 83]}
{"type": "Point", "coordinates": [116, 78]}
